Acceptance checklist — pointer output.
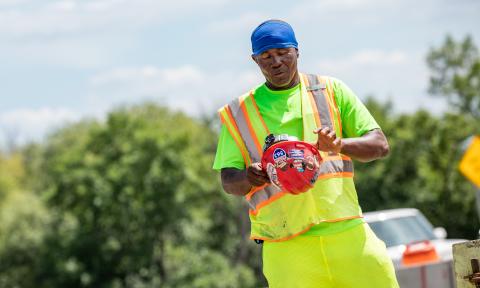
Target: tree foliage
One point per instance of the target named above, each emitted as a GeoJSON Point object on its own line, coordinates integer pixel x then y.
{"type": "Point", "coordinates": [133, 202]}
{"type": "Point", "coordinates": [455, 74]}
{"type": "Point", "coordinates": [422, 169]}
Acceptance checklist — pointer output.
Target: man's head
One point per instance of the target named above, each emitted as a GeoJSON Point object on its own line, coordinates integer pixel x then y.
{"type": "Point", "coordinates": [275, 50]}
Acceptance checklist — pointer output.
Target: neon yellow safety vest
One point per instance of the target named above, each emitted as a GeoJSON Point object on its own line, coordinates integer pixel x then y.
{"type": "Point", "coordinates": [277, 215]}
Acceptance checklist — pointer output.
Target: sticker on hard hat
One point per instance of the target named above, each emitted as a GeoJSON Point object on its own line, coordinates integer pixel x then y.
{"type": "Point", "coordinates": [298, 164]}
{"type": "Point", "coordinates": [295, 154]}
{"type": "Point", "coordinates": [311, 162]}
{"type": "Point", "coordinates": [279, 155]}
{"type": "Point", "coordinates": [292, 166]}
{"type": "Point", "coordinates": [272, 174]}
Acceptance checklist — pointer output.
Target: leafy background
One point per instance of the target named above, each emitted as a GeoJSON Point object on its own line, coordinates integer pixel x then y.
{"type": "Point", "coordinates": [132, 201]}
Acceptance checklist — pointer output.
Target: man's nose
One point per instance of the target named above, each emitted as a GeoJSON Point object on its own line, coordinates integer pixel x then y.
{"type": "Point", "coordinates": [277, 61]}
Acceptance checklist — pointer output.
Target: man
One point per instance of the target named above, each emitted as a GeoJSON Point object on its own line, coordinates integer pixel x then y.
{"type": "Point", "coordinates": [317, 238]}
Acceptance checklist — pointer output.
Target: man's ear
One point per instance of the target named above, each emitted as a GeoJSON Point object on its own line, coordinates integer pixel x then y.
{"type": "Point", "coordinates": [298, 53]}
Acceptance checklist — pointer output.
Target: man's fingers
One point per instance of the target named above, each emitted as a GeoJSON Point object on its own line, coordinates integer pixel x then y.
{"type": "Point", "coordinates": [265, 179]}
{"type": "Point", "coordinates": [256, 176]}
{"type": "Point", "coordinates": [257, 169]}
{"type": "Point", "coordinates": [256, 166]}
{"type": "Point", "coordinates": [263, 176]}
{"type": "Point", "coordinates": [259, 172]}
{"type": "Point", "coordinates": [331, 135]}
{"type": "Point", "coordinates": [325, 130]}
{"type": "Point", "coordinates": [258, 180]}
{"type": "Point", "coordinates": [337, 141]}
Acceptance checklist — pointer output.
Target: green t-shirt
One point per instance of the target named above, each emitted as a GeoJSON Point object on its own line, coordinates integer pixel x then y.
{"type": "Point", "coordinates": [282, 113]}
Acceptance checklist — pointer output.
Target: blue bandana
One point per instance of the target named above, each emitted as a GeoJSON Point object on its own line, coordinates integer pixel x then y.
{"type": "Point", "coordinates": [272, 34]}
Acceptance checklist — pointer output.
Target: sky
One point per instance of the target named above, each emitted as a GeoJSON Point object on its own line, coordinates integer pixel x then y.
{"type": "Point", "coordinates": [61, 61]}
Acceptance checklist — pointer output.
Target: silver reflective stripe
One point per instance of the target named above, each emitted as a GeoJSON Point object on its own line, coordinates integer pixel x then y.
{"type": "Point", "coordinates": [336, 166]}
{"type": "Point", "coordinates": [318, 91]}
{"type": "Point", "coordinates": [239, 118]}
{"type": "Point", "coordinates": [327, 167]}
{"type": "Point", "coordinates": [262, 196]}
{"type": "Point", "coordinates": [242, 125]}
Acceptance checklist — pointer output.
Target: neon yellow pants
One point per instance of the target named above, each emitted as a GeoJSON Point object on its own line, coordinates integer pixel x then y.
{"type": "Point", "coordinates": [354, 258]}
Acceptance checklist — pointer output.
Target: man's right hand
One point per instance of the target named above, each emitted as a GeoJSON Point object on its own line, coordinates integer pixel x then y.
{"type": "Point", "coordinates": [256, 175]}
{"type": "Point", "coordinates": [240, 182]}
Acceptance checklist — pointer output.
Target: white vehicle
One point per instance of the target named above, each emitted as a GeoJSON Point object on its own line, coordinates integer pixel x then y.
{"type": "Point", "coordinates": [400, 227]}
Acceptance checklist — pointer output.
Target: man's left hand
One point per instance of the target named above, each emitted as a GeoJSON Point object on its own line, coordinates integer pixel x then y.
{"type": "Point", "coordinates": [327, 140]}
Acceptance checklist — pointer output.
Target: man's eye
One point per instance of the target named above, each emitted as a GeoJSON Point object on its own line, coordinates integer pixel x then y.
{"type": "Point", "coordinates": [265, 56]}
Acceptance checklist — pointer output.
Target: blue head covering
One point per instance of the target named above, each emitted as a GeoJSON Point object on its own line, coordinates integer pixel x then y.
{"type": "Point", "coordinates": [272, 34]}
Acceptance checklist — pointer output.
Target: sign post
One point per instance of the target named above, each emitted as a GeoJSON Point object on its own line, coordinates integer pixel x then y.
{"type": "Point", "coordinates": [466, 255]}
{"type": "Point", "coordinates": [470, 164]}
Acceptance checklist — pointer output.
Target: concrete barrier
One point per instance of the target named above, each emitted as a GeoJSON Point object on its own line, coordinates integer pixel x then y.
{"type": "Point", "coordinates": [435, 275]}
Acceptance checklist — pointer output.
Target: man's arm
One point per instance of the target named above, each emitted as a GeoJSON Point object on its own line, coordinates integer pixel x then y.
{"type": "Point", "coordinates": [240, 182]}
{"type": "Point", "coordinates": [368, 147]}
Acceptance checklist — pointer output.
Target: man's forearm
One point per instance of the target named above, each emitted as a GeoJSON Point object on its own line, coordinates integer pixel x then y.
{"type": "Point", "coordinates": [372, 145]}
{"type": "Point", "coordinates": [234, 181]}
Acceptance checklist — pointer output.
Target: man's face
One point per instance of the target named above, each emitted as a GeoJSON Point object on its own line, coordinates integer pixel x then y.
{"type": "Point", "coordinates": [279, 66]}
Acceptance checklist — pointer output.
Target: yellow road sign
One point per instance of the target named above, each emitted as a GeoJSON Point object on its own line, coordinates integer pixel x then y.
{"type": "Point", "coordinates": [470, 164]}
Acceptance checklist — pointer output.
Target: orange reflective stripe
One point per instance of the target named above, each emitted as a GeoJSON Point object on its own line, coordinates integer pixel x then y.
{"type": "Point", "coordinates": [342, 219]}
{"type": "Point", "coordinates": [337, 175]}
{"type": "Point", "coordinates": [336, 157]}
{"type": "Point", "coordinates": [250, 127]}
{"type": "Point", "coordinates": [318, 90]}
{"type": "Point", "coordinates": [239, 142]}
{"type": "Point", "coordinates": [285, 238]}
{"type": "Point", "coordinates": [328, 101]}
{"type": "Point", "coordinates": [265, 203]}
{"type": "Point", "coordinates": [312, 102]}
{"type": "Point", "coordinates": [258, 113]}
{"type": "Point", "coordinates": [254, 190]}
{"type": "Point", "coordinates": [244, 131]}
{"type": "Point", "coordinates": [335, 106]}
{"type": "Point", "coordinates": [304, 230]}
{"type": "Point", "coordinates": [230, 124]}
{"type": "Point", "coordinates": [334, 167]}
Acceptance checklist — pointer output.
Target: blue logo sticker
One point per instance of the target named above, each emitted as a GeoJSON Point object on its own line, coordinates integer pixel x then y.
{"type": "Point", "coordinates": [279, 154]}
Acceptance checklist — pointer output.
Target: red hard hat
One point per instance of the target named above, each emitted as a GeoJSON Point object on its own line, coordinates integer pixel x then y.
{"type": "Point", "coordinates": [292, 165]}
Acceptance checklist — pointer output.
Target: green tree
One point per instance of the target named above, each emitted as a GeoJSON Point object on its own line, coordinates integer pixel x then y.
{"type": "Point", "coordinates": [136, 204]}
{"type": "Point", "coordinates": [422, 169]}
{"type": "Point", "coordinates": [455, 74]}
{"type": "Point", "coordinates": [24, 220]}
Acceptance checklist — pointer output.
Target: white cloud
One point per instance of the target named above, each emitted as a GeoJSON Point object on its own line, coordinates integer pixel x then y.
{"type": "Point", "coordinates": [399, 75]}
{"type": "Point", "coordinates": [334, 11]}
{"type": "Point", "coordinates": [94, 16]}
{"type": "Point", "coordinates": [11, 2]}
{"type": "Point", "coordinates": [85, 33]}
{"type": "Point", "coordinates": [25, 124]}
{"type": "Point", "coordinates": [366, 58]}
{"type": "Point", "coordinates": [379, 57]}
{"type": "Point", "coordinates": [187, 88]}
{"type": "Point", "coordinates": [243, 22]}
